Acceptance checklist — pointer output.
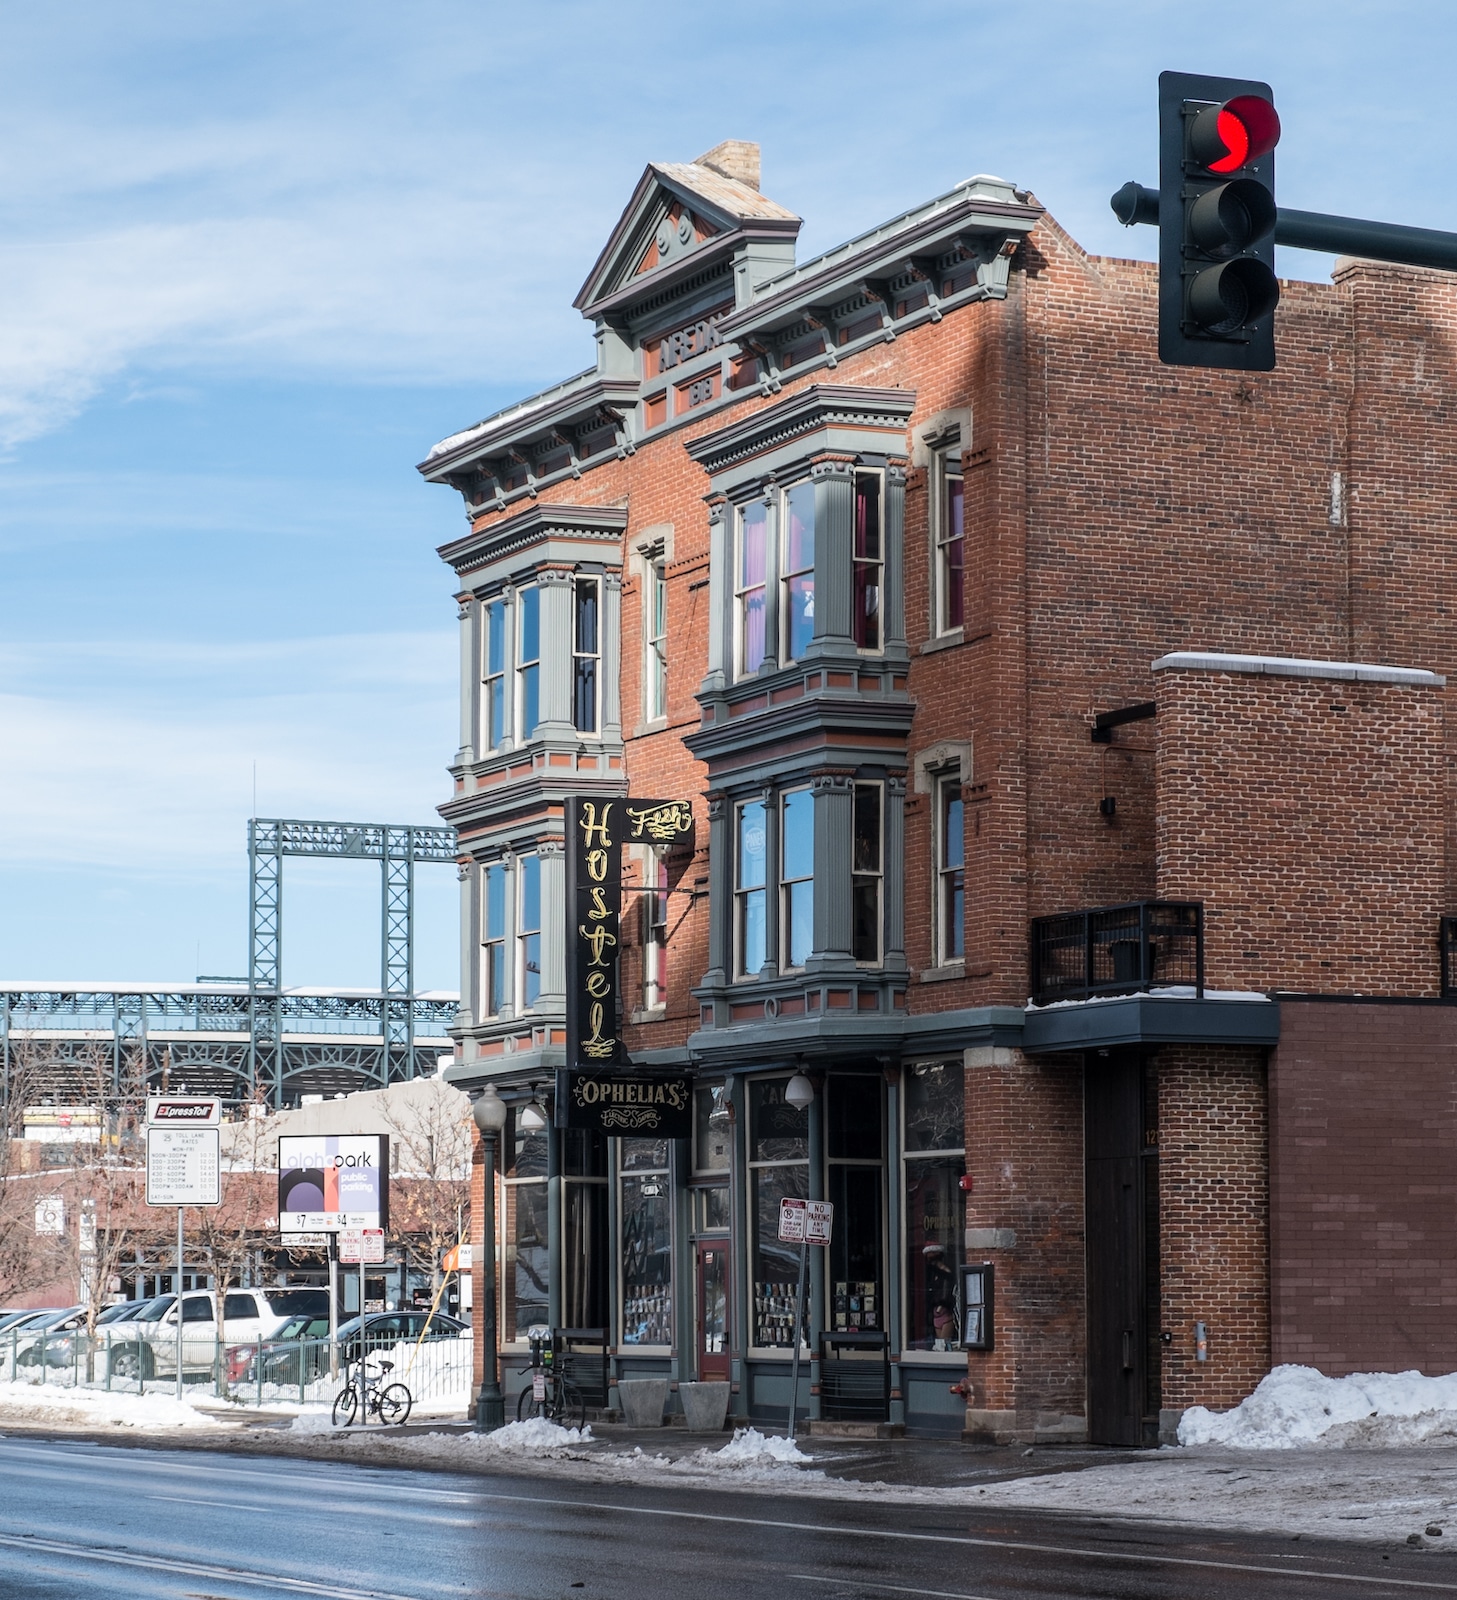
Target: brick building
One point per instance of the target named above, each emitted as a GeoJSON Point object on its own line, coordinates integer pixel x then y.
{"type": "Point", "coordinates": [998, 662]}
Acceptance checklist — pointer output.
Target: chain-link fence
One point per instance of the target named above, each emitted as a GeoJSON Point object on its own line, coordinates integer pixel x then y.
{"type": "Point", "coordinates": [259, 1373]}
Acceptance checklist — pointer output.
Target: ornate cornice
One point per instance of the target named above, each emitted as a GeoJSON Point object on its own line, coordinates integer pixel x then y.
{"type": "Point", "coordinates": [821, 405]}
{"type": "Point", "coordinates": [536, 525]}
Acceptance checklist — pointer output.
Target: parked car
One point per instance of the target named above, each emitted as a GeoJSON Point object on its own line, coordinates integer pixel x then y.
{"type": "Point", "coordinates": [51, 1340]}
{"type": "Point", "coordinates": [383, 1330]}
{"type": "Point", "coordinates": [19, 1319]}
{"type": "Point", "coordinates": [296, 1353]}
{"type": "Point", "coordinates": [248, 1315]}
{"type": "Point", "coordinates": [130, 1344]}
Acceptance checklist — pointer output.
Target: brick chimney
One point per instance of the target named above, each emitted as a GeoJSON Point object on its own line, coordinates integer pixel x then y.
{"type": "Point", "coordinates": [734, 158]}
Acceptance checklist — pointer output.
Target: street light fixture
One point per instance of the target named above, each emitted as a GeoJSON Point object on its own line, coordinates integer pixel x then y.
{"type": "Point", "coordinates": [489, 1114]}
{"type": "Point", "coordinates": [799, 1091]}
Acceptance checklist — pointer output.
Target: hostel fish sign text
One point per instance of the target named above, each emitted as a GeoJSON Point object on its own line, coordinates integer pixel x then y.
{"type": "Point", "coordinates": [596, 830]}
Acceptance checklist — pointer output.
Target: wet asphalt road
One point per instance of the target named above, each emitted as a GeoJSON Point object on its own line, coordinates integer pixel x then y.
{"type": "Point", "coordinates": [79, 1519]}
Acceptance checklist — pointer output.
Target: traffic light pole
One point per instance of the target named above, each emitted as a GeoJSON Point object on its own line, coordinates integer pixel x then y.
{"type": "Point", "coordinates": [1314, 230]}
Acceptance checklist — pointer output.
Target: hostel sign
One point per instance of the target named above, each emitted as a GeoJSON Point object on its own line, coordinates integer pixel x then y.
{"type": "Point", "coordinates": [597, 829]}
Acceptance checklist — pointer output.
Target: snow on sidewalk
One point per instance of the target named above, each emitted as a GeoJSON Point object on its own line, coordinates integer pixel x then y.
{"type": "Point", "coordinates": [51, 1404]}
{"type": "Point", "coordinates": [1299, 1406]}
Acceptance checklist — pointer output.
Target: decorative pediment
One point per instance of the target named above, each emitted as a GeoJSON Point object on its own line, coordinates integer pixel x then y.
{"type": "Point", "coordinates": [683, 216]}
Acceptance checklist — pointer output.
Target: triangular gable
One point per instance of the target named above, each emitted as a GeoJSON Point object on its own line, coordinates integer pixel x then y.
{"type": "Point", "coordinates": [676, 211]}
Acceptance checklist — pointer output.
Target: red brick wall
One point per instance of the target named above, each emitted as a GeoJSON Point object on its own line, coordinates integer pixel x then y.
{"type": "Point", "coordinates": [1364, 1187]}
{"type": "Point", "coordinates": [1308, 815]}
{"type": "Point", "coordinates": [1024, 1152]}
{"type": "Point", "coordinates": [1214, 1201]}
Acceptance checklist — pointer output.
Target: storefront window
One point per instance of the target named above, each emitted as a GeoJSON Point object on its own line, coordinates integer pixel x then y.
{"type": "Point", "coordinates": [778, 1170]}
{"type": "Point", "coordinates": [645, 1209]}
{"type": "Point", "coordinates": [935, 1161]}
{"type": "Point", "coordinates": [711, 1128]}
{"type": "Point", "coordinates": [853, 1141]}
{"type": "Point", "coordinates": [526, 1274]}
{"type": "Point", "coordinates": [584, 1229]}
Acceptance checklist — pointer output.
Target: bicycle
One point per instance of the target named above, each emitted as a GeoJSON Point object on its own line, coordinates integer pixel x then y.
{"type": "Point", "coordinates": [551, 1394]}
{"type": "Point", "coordinates": [389, 1402]}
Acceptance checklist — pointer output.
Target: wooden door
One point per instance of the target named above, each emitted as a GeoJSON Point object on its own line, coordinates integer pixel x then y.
{"type": "Point", "coordinates": [1116, 1260]}
{"type": "Point", "coordinates": [712, 1274]}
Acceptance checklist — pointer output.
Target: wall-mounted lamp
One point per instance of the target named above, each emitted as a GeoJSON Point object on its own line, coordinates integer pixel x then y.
{"type": "Point", "coordinates": [531, 1118]}
{"type": "Point", "coordinates": [799, 1092]}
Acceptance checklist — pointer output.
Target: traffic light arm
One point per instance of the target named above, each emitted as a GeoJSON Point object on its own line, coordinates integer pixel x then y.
{"type": "Point", "coordinates": [1313, 230]}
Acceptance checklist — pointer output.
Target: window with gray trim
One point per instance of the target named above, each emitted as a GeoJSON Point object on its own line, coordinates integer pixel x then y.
{"type": "Point", "coordinates": [496, 619]}
{"type": "Point", "coordinates": [751, 949]}
{"type": "Point", "coordinates": [867, 846]}
{"type": "Point", "coordinates": [796, 877]}
{"type": "Point", "coordinates": [950, 868]}
{"type": "Point", "coordinates": [949, 556]}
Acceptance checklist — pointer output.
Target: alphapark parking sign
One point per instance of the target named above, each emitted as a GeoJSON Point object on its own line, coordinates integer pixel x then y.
{"type": "Point", "coordinates": [330, 1182]}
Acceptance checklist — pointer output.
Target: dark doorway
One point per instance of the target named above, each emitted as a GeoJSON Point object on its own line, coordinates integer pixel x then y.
{"type": "Point", "coordinates": [1120, 1155]}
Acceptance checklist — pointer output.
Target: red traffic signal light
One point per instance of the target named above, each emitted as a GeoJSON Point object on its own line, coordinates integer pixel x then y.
{"type": "Point", "coordinates": [1228, 137]}
{"type": "Point", "coordinates": [1216, 216]}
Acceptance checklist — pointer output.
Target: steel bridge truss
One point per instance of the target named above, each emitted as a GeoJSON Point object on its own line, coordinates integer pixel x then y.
{"type": "Point", "coordinates": [397, 849]}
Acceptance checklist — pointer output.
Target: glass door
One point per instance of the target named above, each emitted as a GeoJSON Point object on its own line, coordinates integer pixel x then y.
{"type": "Point", "coordinates": [713, 1309]}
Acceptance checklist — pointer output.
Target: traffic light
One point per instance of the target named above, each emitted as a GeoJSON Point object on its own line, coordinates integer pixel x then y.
{"type": "Point", "coordinates": [1216, 212]}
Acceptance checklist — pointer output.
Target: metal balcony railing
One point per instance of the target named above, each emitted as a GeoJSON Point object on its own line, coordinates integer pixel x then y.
{"type": "Point", "coordinates": [1124, 949]}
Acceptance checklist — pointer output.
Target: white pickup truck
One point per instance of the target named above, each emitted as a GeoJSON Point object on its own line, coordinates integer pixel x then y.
{"type": "Point", "coordinates": [149, 1349]}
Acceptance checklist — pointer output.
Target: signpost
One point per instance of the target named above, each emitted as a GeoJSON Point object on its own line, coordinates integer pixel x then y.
{"type": "Point", "coordinates": [361, 1245]}
{"type": "Point", "coordinates": [802, 1222]}
{"type": "Point", "coordinates": [184, 1167]}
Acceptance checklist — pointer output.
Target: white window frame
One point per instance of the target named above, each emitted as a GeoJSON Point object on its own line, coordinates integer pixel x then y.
{"type": "Point", "coordinates": [494, 945]}
{"type": "Point", "coordinates": [524, 934]}
{"type": "Point", "coordinates": [946, 469]}
{"type": "Point", "coordinates": [524, 665]}
{"type": "Point", "coordinates": [655, 903]}
{"type": "Point", "coordinates": [581, 582]}
{"type": "Point", "coordinates": [946, 785]}
{"type": "Point", "coordinates": [655, 638]}
{"type": "Point", "coordinates": [785, 576]}
{"type": "Point", "coordinates": [878, 562]}
{"type": "Point", "coordinates": [742, 591]}
{"type": "Point", "coordinates": [743, 894]}
{"type": "Point", "coordinates": [787, 884]}
{"type": "Point", "coordinates": [877, 874]}
{"type": "Point", "coordinates": [495, 675]}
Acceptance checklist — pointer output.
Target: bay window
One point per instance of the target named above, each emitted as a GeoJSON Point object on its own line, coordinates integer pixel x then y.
{"type": "Point", "coordinates": [796, 877]}
{"type": "Point", "coordinates": [493, 976]}
{"type": "Point", "coordinates": [528, 930]}
{"type": "Point", "coordinates": [934, 1162]}
{"type": "Point", "coordinates": [751, 571]}
{"type": "Point", "coordinates": [797, 563]}
{"type": "Point", "coordinates": [868, 561]}
{"type": "Point", "coordinates": [866, 853]}
{"type": "Point", "coordinates": [586, 653]}
{"type": "Point", "coordinates": [528, 660]}
{"type": "Point", "coordinates": [495, 672]}
{"type": "Point", "coordinates": [750, 890]}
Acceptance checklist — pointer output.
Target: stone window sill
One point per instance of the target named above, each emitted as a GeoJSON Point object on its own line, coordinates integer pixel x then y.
{"type": "Point", "coordinates": [942, 641]}
{"type": "Point", "coordinates": [652, 1014]}
{"type": "Point", "coordinates": [953, 969]}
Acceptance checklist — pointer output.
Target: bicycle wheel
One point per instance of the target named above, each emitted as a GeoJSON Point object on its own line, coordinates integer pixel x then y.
{"type": "Point", "coordinates": [527, 1405]}
{"type": "Point", "coordinates": [394, 1403]}
{"type": "Point", "coordinates": [571, 1408]}
{"type": "Point", "coordinates": [346, 1403]}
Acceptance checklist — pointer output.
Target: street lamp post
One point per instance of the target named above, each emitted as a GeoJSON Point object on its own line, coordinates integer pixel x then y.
{"type": "Point", "coordinates": [489, 1113]}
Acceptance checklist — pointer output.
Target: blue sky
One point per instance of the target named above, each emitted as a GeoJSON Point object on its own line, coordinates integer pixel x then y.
{"type": "Point", "coordinates": [254, 261]}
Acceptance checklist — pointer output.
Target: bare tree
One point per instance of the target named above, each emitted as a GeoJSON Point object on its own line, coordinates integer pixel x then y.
{"type": "Point", "coordinates": [231, 1235]}
{"type": "Point", "coordinates": [17, 1191]}
{"type": "Point", "coordinates": [430, 1138]}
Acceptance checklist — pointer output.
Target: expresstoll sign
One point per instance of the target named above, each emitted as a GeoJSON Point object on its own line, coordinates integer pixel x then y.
{"type": "Point", "coordinates": [332, 1181]}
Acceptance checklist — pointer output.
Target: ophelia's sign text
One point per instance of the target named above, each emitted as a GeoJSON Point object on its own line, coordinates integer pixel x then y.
{"type": "Point", "coordinates": [627, 1103]}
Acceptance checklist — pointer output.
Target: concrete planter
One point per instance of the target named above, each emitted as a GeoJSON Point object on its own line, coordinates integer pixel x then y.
{"type": "Point", "coordinates": [705, 1405]}
{"type": "Point", "coordinates": [643, 1401]}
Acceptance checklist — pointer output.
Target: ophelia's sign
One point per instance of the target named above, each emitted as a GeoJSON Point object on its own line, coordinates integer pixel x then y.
{"type": "Point", "coordinates": [627, 1103]}
{"type": "Point", "coordinates": [596, 831]}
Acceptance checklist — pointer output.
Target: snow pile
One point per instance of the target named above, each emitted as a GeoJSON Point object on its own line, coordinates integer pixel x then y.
{"type": "Point", "coordinates": [31, 1402]}
{"type": "Point", "coordinates": [314, 1419]}
{"type": "Point", "coordinates": [1296, 1406]}
{"type": "Point", "coordinates": [536, 1433]}
{"type": "Point", "coordinates": [750, 1448]}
